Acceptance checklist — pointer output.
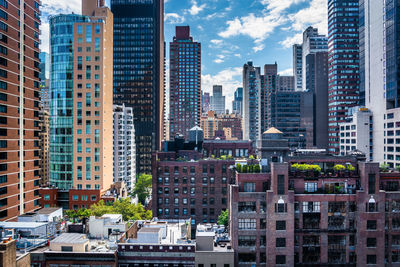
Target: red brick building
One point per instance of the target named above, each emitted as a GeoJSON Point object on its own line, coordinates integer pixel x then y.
{"type": "Point", "coordinates": [290, 217]}
{"type": "Point", "coordinates": [19, 91]}
{"type": "Point", "coordinates": [69, 199]}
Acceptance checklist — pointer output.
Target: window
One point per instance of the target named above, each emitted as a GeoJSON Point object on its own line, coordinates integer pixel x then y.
{"type": "Point", "coordinates": [249, 187]}
{"type": "Point", "coordinates": [371, 259]}
{"type": "Point", "coordinates": [371, 242]}
{"type": "Point", "coordinates": [371, 225]}
{"type": "Point", "coordinates": [247, 224]}
{"type": "Point", "coordinates": [46, 197]}
{"type": "Point", "coordinates": [88, 33]}
{"type": "Point", "coordinates": [311, 207]}
{"type": "Point", "coordinates": [66, 248]}
{"type": "Point", "coordinates": [310, 187]}
{"type": "Point", "coordinates": [247, 241]}
{"type": "Point", "coordinates": [281, 184]}
{"type": "Point", "coordinates": [280, 259]}
{"type": "Point", "coordinates": [280, 225]}
{"type": "Point", "coordinates": [371, 184]}
{"type": "Point", "coordinates": [280, 242]}
{"type": "Point", "coordinates": [75, 197]}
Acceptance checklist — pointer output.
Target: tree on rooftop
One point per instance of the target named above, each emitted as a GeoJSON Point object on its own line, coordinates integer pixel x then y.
{"type": "Point", "coordinates": [223, 218]}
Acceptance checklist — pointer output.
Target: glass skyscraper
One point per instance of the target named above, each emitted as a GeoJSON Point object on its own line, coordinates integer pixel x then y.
{"type": "Point", "coordinates": [139, 71]}
{"type": "Point", "coordinates": [343, 58]}
{"type": "Point", "coordinates": [61, 106]}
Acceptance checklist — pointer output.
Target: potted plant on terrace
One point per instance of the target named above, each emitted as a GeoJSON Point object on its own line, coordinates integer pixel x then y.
{"type": "Point", "coordinates": [339, 168]}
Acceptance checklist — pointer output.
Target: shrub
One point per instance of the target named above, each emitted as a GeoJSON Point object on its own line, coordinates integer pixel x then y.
{"type": "Point", "coordinates": [339, 167]}
{"type": "Point", "coordinates": [350, 168]}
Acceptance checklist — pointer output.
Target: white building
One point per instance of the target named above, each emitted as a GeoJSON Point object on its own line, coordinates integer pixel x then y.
{"type": "Point", "coordinates": [108, 226]}
{"type": "Point", "coordinates": [357, 134]}
{"type": "Point", "coordinates": [124, 146]}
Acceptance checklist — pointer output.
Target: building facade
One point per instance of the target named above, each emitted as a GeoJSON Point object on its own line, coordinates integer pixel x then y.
{"type": "Point", "coordinates": [19, 131]}
{"type": "Point", "coordinates": [289, 218]}
{"type": "Point", "coordinates": [139, 71]}
{"type": "Point", "coordinates": [205, 102]}
{"type": "Point", "coordinates": [237, 103]}
{"type": "Point", "coordinates": [298, 66]}
{"type": "Point", "coordinates": [343, 58]}
{"type": "Point", "coordinates": [185, 82]}
{"type": "Point", "coordinates": [357, 134]}
{"type": "Point", "coordinates": [217, 100]}
{"type": "Point", "coordinates": [286, 83]}
{"type": "Point", "coordinates": [81, 103]}
{"type": "Point", "coordinates": [124, 146]}
{"type": "Point", "coordinates": [251, 101]}
{"type": "Point", "coordinates": [317, 82]}
{"type": "Point", "coordinates": [228, 124]}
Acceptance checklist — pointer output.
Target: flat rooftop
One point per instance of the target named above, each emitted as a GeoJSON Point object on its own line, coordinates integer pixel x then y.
{"type": "Point", "coordinates": [70, 238]}
{"type": "Point", "coordinates": [47, 210]}
{"type": "Point", "coordinates": [25, 225]}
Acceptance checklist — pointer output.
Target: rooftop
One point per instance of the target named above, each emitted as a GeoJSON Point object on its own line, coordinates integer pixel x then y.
{"type": "Point", "coordinates": [272, 130]}
{"type": "Point", "coordinates": [24, 225]}
{"type": "Point", "coordinates": [47, 210]}
{"type": "Point", "coordinates": [71, 238]}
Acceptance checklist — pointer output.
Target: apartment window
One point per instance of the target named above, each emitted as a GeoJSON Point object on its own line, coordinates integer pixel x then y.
{"type": "Point", "coordinates": [371, 242]}
{"type": "Point", "coordinates": [46, 197]}
{"type": "Point", "coordinates": [280, 242]}
{"type": "Point", "coordinates": [80, 29]}
{"type": "Point", "coordinates": [249, 187]}
{"type": "Point", "coordinates": [371, 259]}
{"type": "Point", "coordinates": [310, 187]}
{"type": "Point", "coordinates": [371, 225]}
{"type": "Point", "coordinates": [246, 224]}
{"type": "Point", "coordinates": [75, 197]}
{"type": "Point", "coordinates": [281, 184]}
{"type": "Point", "coordinates": [280, 259]}
{"type": "Point", "coordinates": [247, 240]}
{"type": "Point", "coordinates": [371, 184]}
{"type": "Point", "coordinates": [280, 225]}
{"type": "Point", "coordinates": [88, 33]}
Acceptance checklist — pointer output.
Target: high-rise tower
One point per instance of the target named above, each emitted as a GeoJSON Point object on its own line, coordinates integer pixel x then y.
{"type": "Point", "coordinates": [19, 107]}
{"type": "Point", "coordinates": [139, 71]}
{"type": "Point", "coordinates": [81, 109]}
{"type": "Point", "coordinates": [343, 65]}
{"type": "Point", "coordinates": [185, 82]}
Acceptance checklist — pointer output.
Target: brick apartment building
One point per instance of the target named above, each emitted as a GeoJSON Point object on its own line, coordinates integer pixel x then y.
{"type": "Point", "coordinates": [329, 218]}
{"type": "Point", "coordinates": [187, 183]}
{"type": "Point", "coordinates": [19, 108]}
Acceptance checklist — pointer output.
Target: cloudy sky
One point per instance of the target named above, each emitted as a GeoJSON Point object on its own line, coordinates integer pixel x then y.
{"type": "Point", "coordinates": [232, 32]}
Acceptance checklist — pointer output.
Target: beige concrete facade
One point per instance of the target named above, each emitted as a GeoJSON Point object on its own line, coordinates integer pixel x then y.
{"type": "Point", "coordinates": [93, 77]}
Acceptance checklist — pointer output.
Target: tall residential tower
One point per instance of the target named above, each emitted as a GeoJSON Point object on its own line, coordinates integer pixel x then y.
{"type": "Point", "coordinates": [343, 65]}
{"type": "Point", "coordinates": [81, 98]}
{"type": "Point", "coordinates": [19, 107]}
{"type": "Point", "coordinates": [185, 82]}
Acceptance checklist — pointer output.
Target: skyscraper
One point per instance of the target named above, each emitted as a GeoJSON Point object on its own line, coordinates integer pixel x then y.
{"type": "Point", "coordinates": [139, 71]}
{"type": "Point", "coordinates": [205, 102]}
{"type": "Point", "coordinates": [217, 100]}
{"type": "Point", "coordinates": [298, 66]}
{"type": "Point", "coordinates": [343, 65]}
{"type": "Point", "coordinates": [251, 102]}
{"type": "Point", "coordinates": [317, 83]}
{"type": "Point", "coordinates": [312, 43]}
{"type": "Point", "coordinates": [185, 82]}
{"type": "Point", "coordinates": [237, 103]}
{"type": "Point", "coordinates": [81, 98]}
{"type": "Point", "coordinates": [19, 108]}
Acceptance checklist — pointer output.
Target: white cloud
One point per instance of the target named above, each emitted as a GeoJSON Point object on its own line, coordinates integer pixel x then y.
{"type": "Point", "coordinates": [219, 59]}
{"type": "Point", "coordinates": [287, 72]}
{"type": "Point", "coordinates": [316, 15]}
{"type": "Point", "coordinates": [55, 7]}
{"type": "Point", "coordinates": [291, 40]}
{"type": "Point", "coordinates": [258, 47]}
{"type": "Point", "coordinates": [230, 79]}
{"type": "Point", "coordinates": [216, 41]}
{"type": "Point", "coordinates": [45, 37]}
{"type": "Point", "coordinates": [173, 18]}
{"type": "Point", "coordinates": [196, 9]}
{"type": "Point", "coordinates": [238, 55]}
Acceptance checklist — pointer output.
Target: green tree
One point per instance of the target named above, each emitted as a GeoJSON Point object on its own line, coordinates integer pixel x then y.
{"type": "Point", "coordinates": [223, 218]}
{"type": "Point", "coordinates": [143, 187]}
{"type": "Point", "coordinates": [128, 210]}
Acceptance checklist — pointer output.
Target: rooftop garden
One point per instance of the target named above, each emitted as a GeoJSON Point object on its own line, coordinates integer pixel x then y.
{"type": "Point", "coordinates": [248, 168]}
{"type": "Point", "coordinates": [314, 170]}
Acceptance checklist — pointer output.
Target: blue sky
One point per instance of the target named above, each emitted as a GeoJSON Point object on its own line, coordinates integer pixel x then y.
{"type": "Point", "coordinates": [232, 32]}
